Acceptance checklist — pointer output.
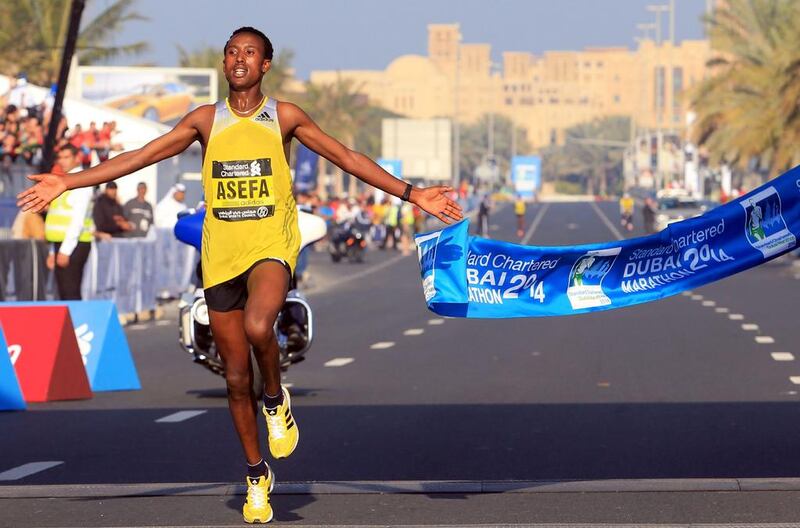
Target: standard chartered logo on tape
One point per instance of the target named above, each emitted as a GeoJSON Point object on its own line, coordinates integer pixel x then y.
{"type": "Point", "coordinates": [255, 168]}
{"type": "Point", "coordinates": [765, 227]}
{"type": "Point", "coordinates": [585, 289]}
{"type": "Point", "coordinates": [426, 252]}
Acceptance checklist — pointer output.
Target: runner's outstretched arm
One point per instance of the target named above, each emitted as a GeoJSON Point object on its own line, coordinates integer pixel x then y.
{"type": "Point", "coordinates": [49, 186]}
{"type": "Point", "coordinates": [432, 200]}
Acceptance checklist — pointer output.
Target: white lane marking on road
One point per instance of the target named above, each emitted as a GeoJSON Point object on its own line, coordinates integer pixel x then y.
{"type": "Point", "coordinates": [735, 317]}
{"type": "Point", "coordinates": [609, 224]}
{"type": "Point", "coordinates": [697, 297]}
{"type": "Point", "coordinates": [163, 323]}
{"type": "Point", "coordinates": [288, 385]}
{"type": "Point", "coordinates": [721, 310]}
{"type": "Point", "coordinates": [180, 416]}
{"type": "Point", "coordinates": [339, 362]}
{"type": "Point", "coordinates": [435, 322]}
{"type": "Point", "coordinates": [30, 468]}
{"type": "Point", "coordinates": [687, 293]}
{"type": "Point", "coordinates": [764, 340]}
{"type": "Point", "coordinates": [783, 356]}
{"type": "Point", "coordinates": [572, 227]}
{"type": "Point", "coordinates": [709, 303]}
{"type": "Point", "coordinates": [137, 326]}
{"type": "Point", "coordinates": [750, 327]}
{"type": "Point", "coordinates": [414, 331]}
{"type": "Point", "coordinates": [382, 345]}
{"type": "Point", "coordinates": [795, 379]}
{"type": "Point", "coordinates": [535, 224]}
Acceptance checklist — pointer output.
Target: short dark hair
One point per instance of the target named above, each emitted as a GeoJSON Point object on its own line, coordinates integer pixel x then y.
{"type": "Point", "coordinates": [247, 29]}
{"type": "Point", "coordinates": [70, 147]}
{"type": "Point", "coordinates": [111, 185]}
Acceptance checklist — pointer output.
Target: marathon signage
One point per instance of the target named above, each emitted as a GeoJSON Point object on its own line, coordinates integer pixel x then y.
{"type": "Point", "coordinates": [469, 276]}
{"type": "Point", "coordinates": [11, 398]}
{"type": "Point", "coordinates": [101, 341]}
{"type": "Point", "coordinates": [45, 354]}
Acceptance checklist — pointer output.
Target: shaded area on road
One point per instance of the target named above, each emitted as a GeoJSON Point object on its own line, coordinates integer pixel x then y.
{"type": "Point", "coordinates": [429, 442]}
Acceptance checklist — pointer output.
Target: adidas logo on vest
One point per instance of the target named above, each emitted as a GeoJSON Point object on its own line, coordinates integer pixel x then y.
{"type": "Point", "coordinates": [264, 116]}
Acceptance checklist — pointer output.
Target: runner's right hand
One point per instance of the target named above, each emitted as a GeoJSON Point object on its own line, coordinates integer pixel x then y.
{"type": "Point", "coordinates": [48, 188]}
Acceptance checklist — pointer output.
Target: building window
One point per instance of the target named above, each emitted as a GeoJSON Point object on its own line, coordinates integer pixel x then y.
{"type": "Point", "coordinates": [616, 99]}
{"type": "Point", "coordinates": [658, 98]}
{"type": "Point", "coordinates": [677, 89]}
{"type": "Point", "coordinates": [599, 64]}
{"type": "Point", "coordinates": [509, 101]}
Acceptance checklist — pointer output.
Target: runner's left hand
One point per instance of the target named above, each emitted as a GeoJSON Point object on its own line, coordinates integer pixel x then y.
{"type": "Point", "coordinates": [434, 201]}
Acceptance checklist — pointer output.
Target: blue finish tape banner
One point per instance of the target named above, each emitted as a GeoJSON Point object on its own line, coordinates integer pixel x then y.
{"type": "Point", "coordinates": [469, 276]}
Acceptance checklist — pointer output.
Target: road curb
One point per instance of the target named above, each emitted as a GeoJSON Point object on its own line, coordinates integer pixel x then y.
{"type": "Point", "coordinates": [405, 486]}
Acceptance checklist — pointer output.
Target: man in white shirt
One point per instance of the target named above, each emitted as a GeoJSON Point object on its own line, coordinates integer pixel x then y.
{"type": "Point", "coordinates": [168, 208]}
{"type": "Point", "coordinates": [68, 227]}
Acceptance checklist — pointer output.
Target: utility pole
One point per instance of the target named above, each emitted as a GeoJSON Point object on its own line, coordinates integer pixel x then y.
{"type": "Point", "coordinates": [76, 11]}
{"type": "Point", "coordinates": [658, 9]}
{"type": "Point", "coordinates": [672, 22]}
{"type": "Point", "coordinates": [456, 124]}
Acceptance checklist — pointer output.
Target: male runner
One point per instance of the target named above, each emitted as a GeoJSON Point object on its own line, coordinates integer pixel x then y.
{"type": "Point", "coordinates": [250, 234]}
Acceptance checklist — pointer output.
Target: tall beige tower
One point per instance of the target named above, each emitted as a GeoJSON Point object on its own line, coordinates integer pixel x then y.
{"type": "Point", "coordinates": [443, 42]}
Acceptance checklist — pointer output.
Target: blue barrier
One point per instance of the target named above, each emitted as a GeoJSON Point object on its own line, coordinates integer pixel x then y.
{"type": "Point", "coordinates": [10, 394]}
{"type": "Point", "coordinates": [102, 342]}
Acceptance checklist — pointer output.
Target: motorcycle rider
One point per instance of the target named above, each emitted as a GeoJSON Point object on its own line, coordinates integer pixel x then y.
{"type": "Point", "coordinates": [249, 251]}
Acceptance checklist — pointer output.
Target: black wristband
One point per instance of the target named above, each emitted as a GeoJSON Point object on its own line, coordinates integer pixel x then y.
{"type": "Point", "coordinates": [407, 192]}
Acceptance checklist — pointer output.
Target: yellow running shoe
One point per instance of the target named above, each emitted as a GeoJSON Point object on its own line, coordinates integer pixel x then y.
{"type": "Point", "coordinates": [281, 428]}
{"type": "Point", "coordinates": [256, 506]}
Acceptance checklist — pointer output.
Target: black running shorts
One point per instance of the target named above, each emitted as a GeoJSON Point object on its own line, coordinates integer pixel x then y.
{"type": "Point", "coordinates": [232, 294]}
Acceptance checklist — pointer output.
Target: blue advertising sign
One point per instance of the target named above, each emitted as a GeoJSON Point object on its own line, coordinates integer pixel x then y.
{"type": "Point", "coordinates": [392, 166]}
{"type": "Point", "coordinates": [470, 276]}
{"type": "Point", "coordinates": [305, 169]}
{"type": "Point", "coordinates": [526, 175]}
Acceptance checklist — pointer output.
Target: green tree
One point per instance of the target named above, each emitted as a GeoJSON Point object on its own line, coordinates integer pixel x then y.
{"type": "Point", "coordinates": [748, 110]}
{"type": "Point", "coordinates": [474, 145]}
{"type": "Point", "coordinates": [32, 35]}
{"type": "Point", "coordinates": [275, 83]}
{"type": "Point", "coordinates": [341, 111]}
{"type": "Point", "coordinates": [591, 154]}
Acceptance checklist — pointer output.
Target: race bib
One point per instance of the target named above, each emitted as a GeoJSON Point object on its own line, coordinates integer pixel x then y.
{"type": "Point", "coordinates": [243, 189]}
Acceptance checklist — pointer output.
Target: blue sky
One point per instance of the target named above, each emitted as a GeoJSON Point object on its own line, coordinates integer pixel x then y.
{"type": "Point", "coordinates": [368, 34]}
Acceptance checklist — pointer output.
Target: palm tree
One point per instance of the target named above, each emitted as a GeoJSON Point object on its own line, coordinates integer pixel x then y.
{"type": "Point", "coordinates": [32, 35]}
{"type": "Point", "coordinates": [340, 110]}
{"type": "Point", "coordinates": [748, 111]}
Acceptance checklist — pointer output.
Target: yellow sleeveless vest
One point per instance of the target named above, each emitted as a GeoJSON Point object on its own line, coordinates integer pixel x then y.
{"type": "Point", "coordinates": [59, 217]}
{"type": "Point", "coordinates": [251, 213]}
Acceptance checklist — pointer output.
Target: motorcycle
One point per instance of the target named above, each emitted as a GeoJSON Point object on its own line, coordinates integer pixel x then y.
{"type": "Point", "coordinates": [348, 240]}
{"type": "Point", "coordinates": [294, 326]}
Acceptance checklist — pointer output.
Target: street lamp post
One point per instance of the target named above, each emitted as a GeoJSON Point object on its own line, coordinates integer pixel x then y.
{"type": "Point", "coordinates": [658, 9]}
{"type": "Point", "coordinates": [456, 124]}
